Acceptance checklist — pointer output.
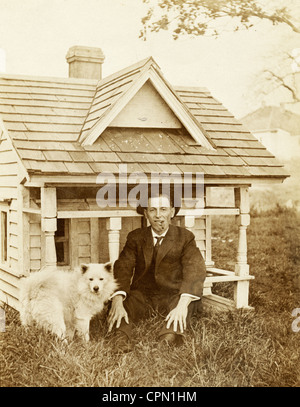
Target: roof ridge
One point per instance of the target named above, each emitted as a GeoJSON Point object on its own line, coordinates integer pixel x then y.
{"type": "Point", "coordinates": [111, 77]}
{"type": "Point", "coordinates": [142, 65]}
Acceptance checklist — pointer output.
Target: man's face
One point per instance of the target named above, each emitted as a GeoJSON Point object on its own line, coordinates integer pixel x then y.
{"type": "Point", "coordinates": [159, 213]}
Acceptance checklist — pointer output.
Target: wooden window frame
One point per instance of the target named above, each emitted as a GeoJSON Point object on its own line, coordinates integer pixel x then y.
{"type": "Point", "coordinates": [66, 242]}
{"type": "Point", "coordinates": [4, 231]}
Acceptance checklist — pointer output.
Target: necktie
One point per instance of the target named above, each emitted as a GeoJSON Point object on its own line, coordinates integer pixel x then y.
{"type": "Point", "coordinates": [156, 247]}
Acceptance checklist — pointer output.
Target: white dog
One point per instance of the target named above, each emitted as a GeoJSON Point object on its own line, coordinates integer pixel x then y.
{"type": "Point", "coordinates": [65, 301]}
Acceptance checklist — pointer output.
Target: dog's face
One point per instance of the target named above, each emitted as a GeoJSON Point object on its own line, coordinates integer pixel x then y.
{"type": "Point", "coordinates": [96, 275]}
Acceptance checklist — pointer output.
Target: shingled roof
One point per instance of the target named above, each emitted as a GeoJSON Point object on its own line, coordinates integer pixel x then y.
{"type": "Point", "coordinates": [61, 127]}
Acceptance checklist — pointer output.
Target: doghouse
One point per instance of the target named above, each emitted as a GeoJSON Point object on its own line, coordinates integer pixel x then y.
{"type": "Point", "coordinates": [56, 137]}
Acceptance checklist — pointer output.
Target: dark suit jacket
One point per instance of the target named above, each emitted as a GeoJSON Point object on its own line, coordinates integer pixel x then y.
{"type": "Point", "coordinates": [179, 264]}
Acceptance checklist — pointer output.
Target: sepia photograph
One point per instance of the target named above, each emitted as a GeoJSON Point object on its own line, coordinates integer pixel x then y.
{"type": "Point", "coordinates": [149, 196]}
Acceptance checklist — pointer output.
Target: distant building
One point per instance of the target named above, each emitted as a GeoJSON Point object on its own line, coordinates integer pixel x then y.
{"type": "Point", "coordinates": [277, 129]}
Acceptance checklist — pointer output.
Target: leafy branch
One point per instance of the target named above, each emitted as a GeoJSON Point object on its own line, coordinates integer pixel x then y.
{"type": "Point", "coordinates": [199, 17]}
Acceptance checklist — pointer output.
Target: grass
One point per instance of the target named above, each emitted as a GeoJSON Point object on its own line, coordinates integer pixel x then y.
{"type": "Point", "coordinates": [236, 348]}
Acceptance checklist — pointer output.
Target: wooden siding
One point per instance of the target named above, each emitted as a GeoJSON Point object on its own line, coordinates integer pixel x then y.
{"type": "Point", "coordinates": [10, 271]}
{"type": "Point", "coordinates": [13, 237]}
{"type": "Point", "coordinates": [84, 240]}
{"type": "Point", "coordinates": [35, 243]}
{"type": "Point", "coordinates": [147, 109]}
{"type": "Point", "coordinates": [103, 241]}
{"type": "Point", "coordinates": [9, 171]}
{"type": "Point", "coordinates": [8, 168]}
{"type": "Point", "coordinates": [200, 231]}
{"type": "Point", "coordinates": [9, 288]}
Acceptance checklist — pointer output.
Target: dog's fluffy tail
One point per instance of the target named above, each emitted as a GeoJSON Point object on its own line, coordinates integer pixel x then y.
{"type": "Point", "coordinates": [33, 288]}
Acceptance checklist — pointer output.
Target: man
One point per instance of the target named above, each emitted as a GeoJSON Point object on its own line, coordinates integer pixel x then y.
{"type": "Point", "coordinates": [159, 268]}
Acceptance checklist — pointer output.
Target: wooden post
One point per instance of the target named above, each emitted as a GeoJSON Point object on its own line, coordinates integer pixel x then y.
{"type": "Point", "coordinates": [114, 226]}
{"type": "Point", "coordinates": [94, 240]}
{"type": "Point", "coordinates": [241, 291]}
{"type": "Point", "coordinates": [23, 227]}
{"type": "Point", "coordinates": [74, 252]}
{"type": "Point", "coordinates": [208, 259]}
{"type": "Point", "coordinates": [208, 254]}
{"type": "Point", "coordinates": [189, 222]}
{"type": "Point", "coordinates": [49, 224]}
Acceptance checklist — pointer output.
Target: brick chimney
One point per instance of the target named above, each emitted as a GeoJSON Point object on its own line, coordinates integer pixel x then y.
{"type": "Point", "coordinates": [85, 62]}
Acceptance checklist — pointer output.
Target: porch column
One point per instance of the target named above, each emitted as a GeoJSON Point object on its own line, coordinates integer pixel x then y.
{"type": "Point", "coordinates": [208, 253]}
{"type": "Point", "coordinates": [241, 291]}
{"type": "Point", "coordinates": [208, 256]}
{"type": "Point", "coordinates": [49, 224]}
{"type": "Point", "coordinates": [189, 222]}
{"type": "Point", "coordinates": [114, 226]}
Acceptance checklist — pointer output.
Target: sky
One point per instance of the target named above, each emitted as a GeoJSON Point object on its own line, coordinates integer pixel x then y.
{"type": "Point", "coordinates": [35, 36]}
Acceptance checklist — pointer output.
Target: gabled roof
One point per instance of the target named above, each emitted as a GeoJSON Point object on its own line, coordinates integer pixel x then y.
{"type": "Point", "coordinates": [271, 118]}
{"type": "Point", "coordinates": [47, 117]}
{"type": "Point", "coordinates": [113, 94]}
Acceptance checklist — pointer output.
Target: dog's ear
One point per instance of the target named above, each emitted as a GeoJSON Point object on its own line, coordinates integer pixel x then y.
{"type": "Point", "coordinates": [108, 267]}
{"type": "Point", "coordinates": [83, 268]}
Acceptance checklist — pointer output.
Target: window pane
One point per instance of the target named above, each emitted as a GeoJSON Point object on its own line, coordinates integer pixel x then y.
{"type": "Point", "coordinates": [62, 242]}
{"type": "Point", "coordinates": [60, 252]}
{"type": "Point", "coordinates": [60, 227]}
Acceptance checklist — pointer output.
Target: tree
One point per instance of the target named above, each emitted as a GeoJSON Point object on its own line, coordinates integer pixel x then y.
{"type": "Point", "coordinates": [206, 17]}
{"type": "Point", "coordinates": [282, 74]}
{"type": "Point", "coordinates": [194, 18]}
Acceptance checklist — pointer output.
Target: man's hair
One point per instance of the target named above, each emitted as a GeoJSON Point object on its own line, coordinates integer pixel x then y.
{"type": "Point", "coordinates": [158, 192]}
{"type": "Point", "coordinates": [162, 194]}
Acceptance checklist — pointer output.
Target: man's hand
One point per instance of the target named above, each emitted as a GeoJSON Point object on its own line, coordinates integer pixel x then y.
{"type": "Point", "coordinates": [178, 314]}
{"type": "Point", "coordinates": [117, 313]}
